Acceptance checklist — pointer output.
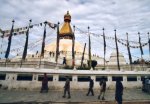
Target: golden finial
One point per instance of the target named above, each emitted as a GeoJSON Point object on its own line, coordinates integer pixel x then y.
{"type": "Point", "coordinates": [66, 30]}
{"type": "Point", "coordinates": [67, 17]}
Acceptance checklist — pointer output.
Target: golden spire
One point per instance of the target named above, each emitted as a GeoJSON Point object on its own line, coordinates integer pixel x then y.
{"type": "Point", "coordinates": [67, 17]}
{"type": "Point", "coordinates": [66, 31]}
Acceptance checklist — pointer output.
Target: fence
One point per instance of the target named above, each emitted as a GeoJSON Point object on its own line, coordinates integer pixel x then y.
{"type": "Point", "coordinates": [30, 78]}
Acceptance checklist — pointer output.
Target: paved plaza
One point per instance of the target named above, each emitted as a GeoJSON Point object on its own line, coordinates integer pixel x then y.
{"type": "Point", "coordinates": [77, 97]}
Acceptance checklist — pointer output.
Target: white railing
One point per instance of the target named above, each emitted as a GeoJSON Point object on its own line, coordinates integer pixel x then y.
{"type": "Point", "coordinates": [130, 79]}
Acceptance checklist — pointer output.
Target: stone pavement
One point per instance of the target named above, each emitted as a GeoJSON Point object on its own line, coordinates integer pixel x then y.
{"type": "Point", "coordinates": [77, 97]}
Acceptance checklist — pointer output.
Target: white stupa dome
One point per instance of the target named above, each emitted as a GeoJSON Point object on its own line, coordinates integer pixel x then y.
{"type": "Point", "coordinates": [114, 54]}
{"type": "Point", "coordinates": [66, 46]}
{"type": "Point", "coordinates": [113, 58]}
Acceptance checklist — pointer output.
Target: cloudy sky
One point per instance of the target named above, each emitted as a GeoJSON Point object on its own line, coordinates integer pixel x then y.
{"type": "Point", "coordinates": [130, 16]}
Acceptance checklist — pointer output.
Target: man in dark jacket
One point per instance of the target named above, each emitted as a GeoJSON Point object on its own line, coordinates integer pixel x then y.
{"type": "Point", "coordinates": [119, 91]}
{"type": "Point", "coordinates": [91, 85]}
{"type": "Point", "coordinates": [102, 89]}
{"type": "Point", "coordinates": [67, 88]}
{"type": "Point", "coordinates": [64, 61]}
{"type": "Point", "coordinates": [44, 84]}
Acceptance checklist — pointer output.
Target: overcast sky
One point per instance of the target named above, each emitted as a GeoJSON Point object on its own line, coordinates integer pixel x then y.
{"type": "Point", "coordinates": [130, 16]}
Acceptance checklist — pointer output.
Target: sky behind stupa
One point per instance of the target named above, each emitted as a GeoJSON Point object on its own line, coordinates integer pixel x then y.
{"type": "Point", "coordinates": [130, 16]}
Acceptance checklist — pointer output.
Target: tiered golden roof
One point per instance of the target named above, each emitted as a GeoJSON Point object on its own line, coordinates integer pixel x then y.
{"type": "Point", "coordinates": [66, 30]}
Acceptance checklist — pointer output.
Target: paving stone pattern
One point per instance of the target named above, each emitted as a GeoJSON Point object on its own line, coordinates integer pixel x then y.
{"type": "Point", "coordinates": [77, 97]}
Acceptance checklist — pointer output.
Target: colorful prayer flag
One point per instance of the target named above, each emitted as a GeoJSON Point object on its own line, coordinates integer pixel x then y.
{"type": "Point", "coordinates": [9, 40]}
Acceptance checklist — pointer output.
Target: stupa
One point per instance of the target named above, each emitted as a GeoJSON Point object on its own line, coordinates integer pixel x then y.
{"type": "Point", "coordinates": [65, 45]}
{"type": "Point", "coordinates": [66, 36]}
{"type": "Point", "coordinates": [113, 59]}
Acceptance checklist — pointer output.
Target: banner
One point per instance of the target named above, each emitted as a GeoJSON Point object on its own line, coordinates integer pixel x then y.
{"type": "Point", "coordinates": [30, 46]}
{"type": "Point", "coordinates": [140, 45]}
{"type": "Point", "coordinates": [73, 44]}
{"type": "Point", "coordinates": [112, 38]}
{"type": "Point", "coordinates": [89, 48]}
{"type": "Point", "coordinates": [23, 30]}
{"type": "Point", "coordinates": [9, 41]}
{"type": "Point", "coordinates": [125, 44]}
{"type": "Point", "coordinates": [83, 55]}
{"type": "Point", "coordinates": [104, 46]}
{"type": "Point", "coordinates": [128, 48]}
{"type": "Point", "coordinates": [52, 25]}
{"type": "Point", "coordinates": [104, 42]}
{"type": "Point", "coordinates": [43, 42]}
{"type": "Point", "coordinates": [149, 43]}
{"type": "Point", "coordinates": [117, 50]}
{"type": "Point", "coordinates": [57, 44]}
{"type": "Point", "coordinates": [26, 43]}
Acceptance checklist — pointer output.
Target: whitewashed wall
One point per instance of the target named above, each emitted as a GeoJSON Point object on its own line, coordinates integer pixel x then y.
{"type": "Point", "coordinates": [11, 81]}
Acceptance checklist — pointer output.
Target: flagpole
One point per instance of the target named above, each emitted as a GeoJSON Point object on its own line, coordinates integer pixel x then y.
{"type": "Point", "coordinates": [83, 55]}
{"type": "Point", "coordinates": [57, 44]}
{"type": "Point", "coordinates": [73, 43]}
{"type": "Point", "coordinates": [89, 48]}
{"type": "Point", "coordinates": [140, 44]}
{"type": "Point", "coordinates": [26, 44]}
{"type": "Point", "coordinates": [43, 44]}
{"type": "Point", "coordinates": [141, 49]}
{"type": "Point", "coordinates": [117, 51]}
{"type": "Point", "coordinates": [9, 42]}
{"type": "Point", "coordinates": [2, 41]}
{"type": "Point", "coordinates": [129, 53]}
{"type": "Point", "coordinates": [149, 44]}
{"type": "Point", "coordinates": [104, 46]}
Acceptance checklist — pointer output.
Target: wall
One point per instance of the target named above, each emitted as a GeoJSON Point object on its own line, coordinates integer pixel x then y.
{"type": "Point", "coordinates": [79, 79]}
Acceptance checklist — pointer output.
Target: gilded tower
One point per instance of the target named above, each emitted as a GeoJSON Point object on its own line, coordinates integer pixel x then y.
{"type": "Point", "coordinates": [66, 31]}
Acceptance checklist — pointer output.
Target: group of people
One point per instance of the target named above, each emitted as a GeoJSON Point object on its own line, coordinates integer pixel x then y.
{"type": "Point", "coordinates": [102, 83]}
{"type": "Point", "coordinates": [51, 54]}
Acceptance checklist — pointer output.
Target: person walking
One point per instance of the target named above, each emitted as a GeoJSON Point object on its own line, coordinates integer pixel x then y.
{"type": "Point", "coordinates": [67, 88]}
{"type": "Point", "coordinates": [119, 91]}
{"type": "Point", "coordinates": [64, 61]}
{"type": "Point", "coordinates": [102, 84]}
{"type": "Point", "coordinates": [44, 84]}
{"type": "Point", "coordinates": [91, 85]}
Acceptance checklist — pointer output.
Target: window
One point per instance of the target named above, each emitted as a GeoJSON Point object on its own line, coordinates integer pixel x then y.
{"type": "Point", "coordinates": [2, 76]}
{"type": "Point", "coordinates": [83, 78]}
{"type": "Point", "coordinates": [40, 77]}
{"type": "Point", "coordinates": [24, 77]}
{"type": "Point", "coordinates": [98, 78]}
{"type": "Point", "coordinates": [114, 78]}
{"type": "Point", "coordinates": [63, 78]}
{"type": "Point", "coordinates": [132, 78]}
